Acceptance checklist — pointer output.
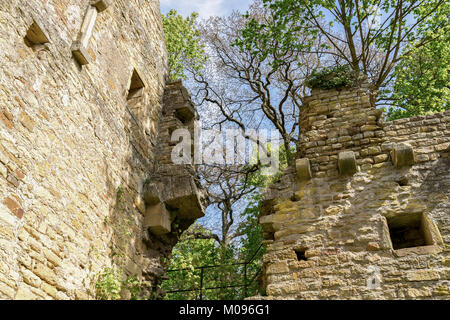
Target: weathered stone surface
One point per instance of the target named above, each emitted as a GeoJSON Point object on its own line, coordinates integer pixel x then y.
{"type": "Point", "coordinates": [76, 152]}
{"type": "Point", "coordinates": [349, 225]}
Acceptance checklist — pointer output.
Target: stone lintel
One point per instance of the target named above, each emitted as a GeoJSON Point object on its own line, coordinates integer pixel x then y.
{"type": "Point", "coordinates": [157, 219]}
{"type": "Point", "coordinates": [101, 5]}
{"type": "Point", "coordinates": [81, 54]}
{"type": "Point", "coordinates": [402, 155]}
{"type": "Point", "coordinates": [303, 169]}
{"type": "Point", "coordinates": [347, 163]}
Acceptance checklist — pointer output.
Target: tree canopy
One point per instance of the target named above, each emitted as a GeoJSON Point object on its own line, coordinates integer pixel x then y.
{"type": "Point", "coordinates": [183, 43]}
{"type": "Point", "coordinates": [375, 37]}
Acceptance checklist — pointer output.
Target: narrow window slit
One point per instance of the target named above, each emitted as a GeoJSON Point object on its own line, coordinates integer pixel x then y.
{"type": "Point", "coordinates": [301, 255]}
{"type": "Point", "coordinates": [35, 36]}
{"type": "Point", "coordinates": [136, 85]}
{"type": "Point", "coordinates": [403, 182]}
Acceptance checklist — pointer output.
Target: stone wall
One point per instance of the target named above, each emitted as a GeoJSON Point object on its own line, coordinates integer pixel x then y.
{"type": "Point", "coordinates": [365, 212]}
{"type": "Point", "coordinates": [81, 98]}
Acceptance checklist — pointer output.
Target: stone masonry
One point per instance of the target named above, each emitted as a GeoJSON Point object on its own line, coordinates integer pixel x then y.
{"type": "Point", "coordinates": [365, 212]}
{"type": "Point", "coordinates": [83, 114]}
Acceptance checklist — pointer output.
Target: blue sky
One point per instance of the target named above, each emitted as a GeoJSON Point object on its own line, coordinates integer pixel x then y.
{"type": "Point", "coordinates": [205, 8]}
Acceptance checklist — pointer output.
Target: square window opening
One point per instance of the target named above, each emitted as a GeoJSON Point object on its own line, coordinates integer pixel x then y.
{"type": "Point", "coordinates": [409, 230]}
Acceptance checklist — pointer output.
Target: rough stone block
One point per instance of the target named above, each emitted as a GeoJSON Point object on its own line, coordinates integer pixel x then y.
{"type": "Point", "coordinates": [402, 155]}
{"type": "Point", "coordinates": [422, 275]}
{"type": "Point", "coordinates": [157, 219]}
{"type": "Point", "coordinates": [151, 195]}
{"type": "Point", "coordinates": [101, 5]}
{"type": "Point", "coordinates": [80, 47]}
{"type": "Point", "coordinates": [347, 163]}
{"type": "Point", "coordinates": [303, 169]}
{"type": "Point", "coordinates": [182, 194]}
{"type": "Point", "coordinates": [24, 293]}
{"type": "Point", "coordinates": [88, 26]}
{"type": "Point", "coordinates": [266, 223]}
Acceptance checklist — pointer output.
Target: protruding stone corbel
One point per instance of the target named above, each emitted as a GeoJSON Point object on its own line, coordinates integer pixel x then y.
{"type": "Point", "coordinates": [402, 155]}
{"type": "Point", "coordinates": [157, 219]}
{"type": "Point", "coordinates": [347, 163]}
{"type": "Point", "coordinates": [185, 112]}
{"type": "Point", "coordinates": [182, 193]}
{"type": "Point", "coordinates": [303, 169]}
{"type": "Point", "coordinates": [101, 5]}
{"type": "Point", "coordinates": [80, 47]}
{"type": "Point", "coordinates": [151, 195]}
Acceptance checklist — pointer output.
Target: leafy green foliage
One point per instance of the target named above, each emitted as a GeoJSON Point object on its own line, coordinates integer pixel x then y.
{"type": "Point", "coordinates": [183, 44]}
{"type": "Point", "coordinates": [112, 282]}
{"type": "Point", "coordinates": [422, 85]}
{"type": "Point", "coordinates": [333, 78]}
{"type": "Point", "coordinates": [191, 253]}
{"type": "Point", "coordinates": [349, 30]}
{"type": "Point", "coordinates": [108, 285]}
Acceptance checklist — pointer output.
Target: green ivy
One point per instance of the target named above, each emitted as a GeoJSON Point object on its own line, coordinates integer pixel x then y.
{"type": "Point", "coordinates": [333, 78]}
{"type": "Point", "coordinates": [110, 283]}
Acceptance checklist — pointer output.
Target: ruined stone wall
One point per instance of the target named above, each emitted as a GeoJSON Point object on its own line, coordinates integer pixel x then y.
{"type": "Point", "coordinates": [365, 212]}
{"type": "Point", "coordinates": [81, 96]}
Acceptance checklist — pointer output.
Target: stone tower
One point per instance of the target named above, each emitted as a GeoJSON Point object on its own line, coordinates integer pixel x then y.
{"type": "Point", "coordinates": [84, 116]}
{"type": "Point", "coordinates": [364, 214]}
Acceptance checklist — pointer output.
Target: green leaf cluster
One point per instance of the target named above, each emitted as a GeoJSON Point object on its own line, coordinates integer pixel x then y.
{"type": "Point", "coordinates": [333, 78]}
{"type": "Point", "coordinates": [112, 281]}
{"type": "Point", "coordinates": [422, 84]}
{"type": "Point", "coordinates": [183, 43]}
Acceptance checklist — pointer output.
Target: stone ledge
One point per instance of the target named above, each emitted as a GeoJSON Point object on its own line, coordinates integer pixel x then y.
{"type": "Point", "coordinates": [433, 249]}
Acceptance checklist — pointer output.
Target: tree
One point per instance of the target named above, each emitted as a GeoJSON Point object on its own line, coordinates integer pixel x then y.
{"type": "Point", "coordinates": [183, 43]}
{"type": "Point", "coordinates": [186, 255]}
{"type": "Point", "coordinates": [422, 83]}
{"type": "Point", "coordinates": [235, 195]}
{"type": "Point", "coordinates": [372, 36]}
{"type": "Point", "coordinates": [247, 90]}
